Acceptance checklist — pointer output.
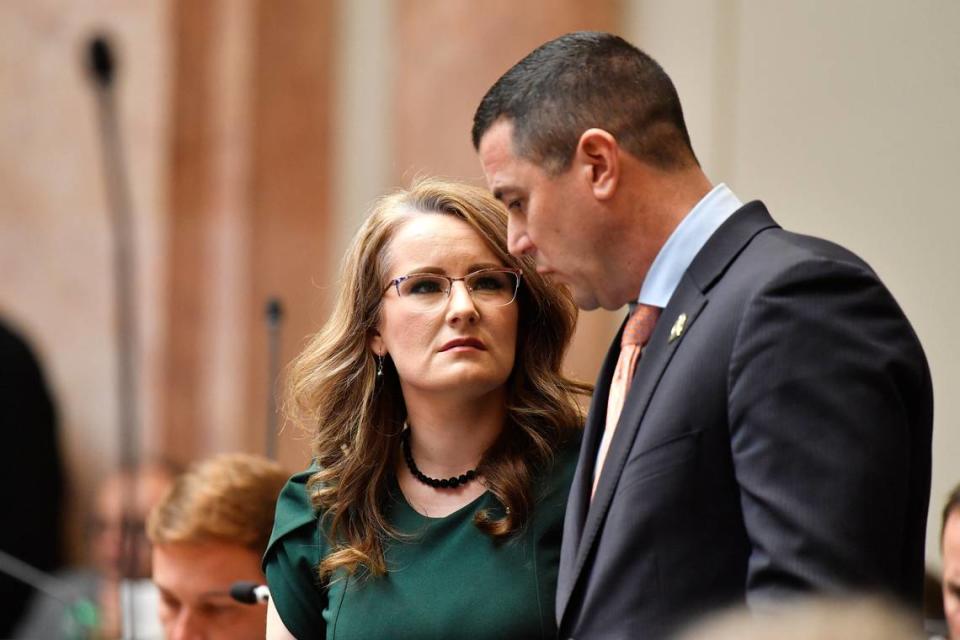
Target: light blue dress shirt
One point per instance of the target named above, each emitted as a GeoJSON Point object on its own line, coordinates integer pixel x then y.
{"type": "Point", "coordinates": [685, 243]}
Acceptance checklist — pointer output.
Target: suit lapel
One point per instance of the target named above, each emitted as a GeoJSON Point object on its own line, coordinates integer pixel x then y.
{"type": "Point", "coordinates": [578, 501]}
{"type": "Point", "coordinates": [656, 356]}
{"type": "Point", "coordinates": [584, 519]}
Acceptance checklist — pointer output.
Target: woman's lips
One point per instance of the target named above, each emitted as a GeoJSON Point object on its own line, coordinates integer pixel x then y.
{"type": "Point", "coordinates": [465, 343]}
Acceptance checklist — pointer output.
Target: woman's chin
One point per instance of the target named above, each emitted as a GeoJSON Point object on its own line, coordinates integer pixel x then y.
{"type": "Point", "coordinates": [469, 382]}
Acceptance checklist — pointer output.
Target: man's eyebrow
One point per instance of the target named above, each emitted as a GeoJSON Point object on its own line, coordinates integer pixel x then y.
{"type": "Point", "coordinates": [214, 595]}
{"type": "Point", "coordinates": [166, 594]}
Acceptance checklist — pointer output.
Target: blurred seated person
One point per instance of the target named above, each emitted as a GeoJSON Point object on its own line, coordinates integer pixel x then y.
{"type": "Point", "coordinates": [209, 532]}
{"type": "Point", "coordinates": [934, 620]}
{"type": "Point", "coordinates": [32, 531]}
{"type": "Point", "coordinates": [811, 619]}
{"type": "Point", "coordinates": [950, 548]}
{"type": "Point", "coordinates": [445, 436]}
{"type": "Point", "coordinates": [94, 592]}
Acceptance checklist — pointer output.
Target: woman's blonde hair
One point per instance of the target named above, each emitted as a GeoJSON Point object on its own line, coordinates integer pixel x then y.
{"type": "Point", "coordinates": [356, 419]}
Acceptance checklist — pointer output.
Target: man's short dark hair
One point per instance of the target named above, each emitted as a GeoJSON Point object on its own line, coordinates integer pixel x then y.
{"type": "Point", "coordinates": [583, 80]}
{"type": "Point", "coordinates": [953, 504]}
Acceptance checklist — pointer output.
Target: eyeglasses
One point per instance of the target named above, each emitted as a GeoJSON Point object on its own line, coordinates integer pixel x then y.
{"type": "Point", "coordinates": [430, 291]}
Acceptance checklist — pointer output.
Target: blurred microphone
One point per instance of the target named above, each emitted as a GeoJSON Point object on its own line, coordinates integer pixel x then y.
{"type": "Point", "coordinates": [250, 592]}
{"type": "Point", "coordinates": [82, 614]}
{"type": "Point", "coordinates": [102, 67]}
{"type": "Point", "coordinates": [100, 61]}
{"type": "Point", "coordinates": [274, 314]}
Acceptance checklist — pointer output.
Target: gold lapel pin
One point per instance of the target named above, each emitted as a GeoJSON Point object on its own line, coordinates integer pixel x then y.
{"type": "Point", "coordinates": [677, 329]}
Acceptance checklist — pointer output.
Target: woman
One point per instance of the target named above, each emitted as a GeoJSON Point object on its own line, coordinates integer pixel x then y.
{"type": "Point", "coordinates": [445, 436]}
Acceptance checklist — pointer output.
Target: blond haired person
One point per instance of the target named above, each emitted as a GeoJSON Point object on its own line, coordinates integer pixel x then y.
{"type": "Point", "coordinates": [445, 436]}
{"type": "Point", "coordinates": [208, 532]}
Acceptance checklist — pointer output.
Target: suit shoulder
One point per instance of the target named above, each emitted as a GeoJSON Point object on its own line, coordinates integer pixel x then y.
{"type": "Point", "coordinates": [784, 249]}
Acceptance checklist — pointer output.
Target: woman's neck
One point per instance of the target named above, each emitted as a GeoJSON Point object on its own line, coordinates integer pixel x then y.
{"type": "Point", "coordinates": [450, 436]}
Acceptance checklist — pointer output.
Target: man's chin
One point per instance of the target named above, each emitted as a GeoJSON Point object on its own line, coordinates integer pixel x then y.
{"type": "Point", "coordinates": [591, 301]}
{"type": "Point", "coordinates": [585, 300]}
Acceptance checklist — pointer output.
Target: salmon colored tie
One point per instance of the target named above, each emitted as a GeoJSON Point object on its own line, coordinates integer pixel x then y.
{"type": "Point", "coordinates": [636, 334]}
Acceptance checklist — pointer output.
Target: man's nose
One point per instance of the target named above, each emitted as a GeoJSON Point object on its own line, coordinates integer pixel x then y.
{"type": "Point", "coordinates": [186, 627]}
{"type": "Point", "coordinates": [518, 242]}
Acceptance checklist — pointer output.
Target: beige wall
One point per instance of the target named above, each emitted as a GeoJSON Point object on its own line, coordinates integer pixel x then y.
{"type": "Point", "coordinates": [843, 118]}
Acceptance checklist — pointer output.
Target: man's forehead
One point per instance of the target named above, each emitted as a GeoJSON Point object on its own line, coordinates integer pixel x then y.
{"type": "Point", "coordinates": [191, 596]}
{"type": "Point", "coordinates": [951, 542]}
{"type": "Point", "coordinates": [197, 568]}
{"type": "Point", "coordinates": [503, 167]}
{"type": "Point", "coordinates": [496, 147]}
{"type": "Point", "coordinates": [499, 135]}
{"type": "Point", "coordinates": [181, 583]}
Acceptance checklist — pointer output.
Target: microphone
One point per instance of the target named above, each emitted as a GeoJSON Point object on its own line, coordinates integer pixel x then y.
{"type": "Point", "coordinates": [250, 592]}
{"type": "Point", "coordinates": [82, 614]}
{"type": "Point", "coordinates": [101, 64]}
{"type": "Point", "coordinates": [274, 312]}
{"type": "Point", "coordinates": [100, 61]}
{"type": "Point", "coordinates": [274, 317]}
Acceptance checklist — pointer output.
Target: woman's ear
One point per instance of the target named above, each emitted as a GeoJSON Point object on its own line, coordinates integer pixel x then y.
{"type": "Point", "coordinates": [376, 343]}
{"type": "Point", "coordinates": [598, 153]}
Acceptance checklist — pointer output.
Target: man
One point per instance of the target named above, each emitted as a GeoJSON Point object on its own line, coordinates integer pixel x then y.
{"type": "Point", "coordinates": [208, 533]}
{"type": "Point", "coordinates": [950, 546]}
{"type": "Point", "coordinates": [775, 438]}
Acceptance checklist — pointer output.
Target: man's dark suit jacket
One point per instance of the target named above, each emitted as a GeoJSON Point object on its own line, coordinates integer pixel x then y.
{"type": "Point", "coordinates": [779, 444]}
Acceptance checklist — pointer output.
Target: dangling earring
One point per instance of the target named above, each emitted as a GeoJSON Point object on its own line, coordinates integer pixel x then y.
{"type": "Point", "coordinates": [379, 365]}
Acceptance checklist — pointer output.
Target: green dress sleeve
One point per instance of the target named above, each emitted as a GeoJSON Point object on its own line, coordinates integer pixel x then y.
{"type": "Point", "coordinates": [290, 562]}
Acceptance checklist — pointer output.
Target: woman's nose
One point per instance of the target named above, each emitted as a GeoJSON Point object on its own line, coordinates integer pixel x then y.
{"type": "Point", "coordinates": [461, 305]}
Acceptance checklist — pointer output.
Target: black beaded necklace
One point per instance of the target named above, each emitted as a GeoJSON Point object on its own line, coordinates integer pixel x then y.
{"type": "Point", "coordinates": [436, 483]}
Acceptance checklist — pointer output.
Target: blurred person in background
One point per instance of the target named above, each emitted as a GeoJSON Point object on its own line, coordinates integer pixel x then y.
{"type": "Point", "coordinates": [209, 532]}
{"type": "Point", "coordinates": [445, 435]}
{"type": "Point", "coordinates": [844, 618]}
{"type": "Point", "coordinates": [114, 558]}
{"type": "Point", "coordinates": [950, 547]}
{"type": "Point", "coordinates": [32, 527]}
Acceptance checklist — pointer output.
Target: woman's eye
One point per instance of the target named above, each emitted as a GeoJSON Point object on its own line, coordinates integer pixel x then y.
{"type": "Point", "coordinates": [514, 205]}
{"type": "Point", "coordinates": [422, 286]}
{"type": "Point", "coordinates": [488, 283]}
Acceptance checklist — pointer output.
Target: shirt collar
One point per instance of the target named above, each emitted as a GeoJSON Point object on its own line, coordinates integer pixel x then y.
{"type": "Point", "coordinates": [685, 243]}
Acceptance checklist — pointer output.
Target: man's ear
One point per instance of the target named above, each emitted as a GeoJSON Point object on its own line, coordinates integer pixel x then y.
{"type": "Point", "coordinates": [599, 154]}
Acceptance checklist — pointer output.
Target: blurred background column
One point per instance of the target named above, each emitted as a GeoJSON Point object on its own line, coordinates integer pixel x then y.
{"type": "Point", "coordinates": [249, 209]}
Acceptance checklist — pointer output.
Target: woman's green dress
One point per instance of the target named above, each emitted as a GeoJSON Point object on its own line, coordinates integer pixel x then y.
{"type": "Point", "coordinates": [449, 580]}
